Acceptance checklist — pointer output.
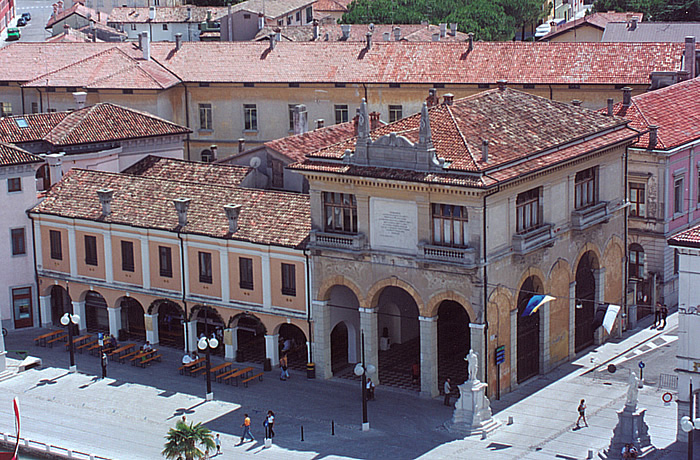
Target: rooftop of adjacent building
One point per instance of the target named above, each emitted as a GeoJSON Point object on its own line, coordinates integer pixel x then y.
{"type": "Point", "coordinates": [650, 31]}
{"type": "Point", "coordinates": [166, 14]}
{"type": "Point", "coordinates": [358, 32]}
{"type": "Point", "coordinates": [598, 20]}
{"type": "Point", "coordinates": [77, 9]}
{"type": "Point", "coordinates": [11, 155]}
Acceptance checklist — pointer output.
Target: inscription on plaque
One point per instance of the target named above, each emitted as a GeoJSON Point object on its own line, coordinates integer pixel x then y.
{"type": "Point", "coordinates": [394, 224]}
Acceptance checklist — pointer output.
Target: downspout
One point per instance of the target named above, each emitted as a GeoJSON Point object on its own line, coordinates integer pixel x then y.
{"type": "Point", "coordinates": [364, 85]}
{"type": "Point", "coordinates": [36, 271]}
{"type": "Point", "coordinates": [486, 284]}
{"type": "Point", "coordinates": [21, 88]}
{"type": "Point", "coordinates": [187, 118]}
{"type": "Point", "coordinates": [184, 295]}
{"type": "Point", "coordinates": [308, 304]}
{"type": "Point", "coordinates": [551, 93]}
{"type": "Point", "coordinates": [625, 257]}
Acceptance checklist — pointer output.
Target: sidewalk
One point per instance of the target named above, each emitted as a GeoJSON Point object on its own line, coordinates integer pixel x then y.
{"type": "Point", "coordinates": [126, 417]}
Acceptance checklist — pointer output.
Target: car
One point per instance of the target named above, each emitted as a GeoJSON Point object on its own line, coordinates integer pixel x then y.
{"type": "Point", "coordinates": [27, 16]}
{"type": "Point", "coordinates": [542, 30]}
{"type": "Point", "coordinates": [13, 33]}
{"type": "Point", "coordinates": [21, 22]}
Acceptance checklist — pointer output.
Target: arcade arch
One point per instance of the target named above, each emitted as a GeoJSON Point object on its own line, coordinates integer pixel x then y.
{"type": "Point", "coordinates": [528, 331]}
{"type": "Point", "coordinates": [585, 300]}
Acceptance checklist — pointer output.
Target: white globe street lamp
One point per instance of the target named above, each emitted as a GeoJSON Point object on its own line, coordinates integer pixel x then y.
{"type": "Point", "coordinates": [207, 344]}
{"type": "Point", "coordinates": [68, 320]}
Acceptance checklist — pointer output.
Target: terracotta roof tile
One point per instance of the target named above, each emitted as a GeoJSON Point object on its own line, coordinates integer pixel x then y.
{"type": "Point", "coordinates": [11, 155]}
{"type": "Point", "coordinates": [166, 14]}
{"type": "Point", "coordinates": [80, 10]}
{"type": "Point", "coordinates": [358, 32]}
{"type": "Point", "coordinates": [688, 238]}
{"type": "Point", "coordinates": [188, 171]}
{"type": "Point", "coordinates": [272, 8]}
{"type": "Point", "coordinates": [296, 147]}
{"type": "Point", "coordinates": [267, 217]}
{"type": "Point", "coordinates": [330, 6]}
{"type": "Point", "coordinates": [597, 20]}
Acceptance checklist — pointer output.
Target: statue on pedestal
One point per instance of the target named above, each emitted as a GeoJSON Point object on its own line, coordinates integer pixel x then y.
{"type": "Point", "coordinates": [472, 360]}
{"type": "Point", "coordinates": [632, 391]}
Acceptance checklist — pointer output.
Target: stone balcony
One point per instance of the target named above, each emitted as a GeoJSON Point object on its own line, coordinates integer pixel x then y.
{"type": "Point", "coordinates": [462, 256]}
{"type": "Point", "coordinates": [533, 239]}
{"type": "Point", "coordinates": [337, 240]}
{"type": "Point", "coordinates": [581, 219]}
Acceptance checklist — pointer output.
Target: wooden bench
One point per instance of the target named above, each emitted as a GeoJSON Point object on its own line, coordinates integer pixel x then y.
{"type": "Point", "coordinates": [116, 353]}
{"type": "Point", "coordinates": [223, 375]}
{"type": "Point", "coordinates": [149, 360]}
{"type": "Point", "coordinates": [220, 367]}
{"type": "Point", "coordinates": [87, 345]}
{"type": "Point", "coordinates": [141, 355]}
{"type": "Point", "coordinates": [58, 338]}
{"type": "Point", "coordinates": [245, 382]}
{"type": "Point", "coordinates": [122, 358]}
{"type": "Point", "coordinates": [187, 368]}
{"type": "Point", "coordinates": [229, 376]}
{"type": "Point", "coordinates": [242, 373]}
{"type": "Point", "coordinates": [41, 340]}
{"type": "Point", "coordinates": [79, 340]}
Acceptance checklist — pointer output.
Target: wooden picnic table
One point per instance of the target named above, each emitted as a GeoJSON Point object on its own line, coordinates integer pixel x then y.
{"type": "Point", "coordinates": [220, 367]}
{"type": "Point", "coordinates": [41, 340]}
{"type": "Point", "coordinates": [88, 345]}
{"type": "Point", "coordinates": [243, 372]}
{"type": "Point", "coordinates": [189, 367]}
{"type": "Point", "coordinates": [118, 351]}
{"type": "Point", "coordinates": [137, 355]}
{"type": "Point", "coordinates": [80, 340]}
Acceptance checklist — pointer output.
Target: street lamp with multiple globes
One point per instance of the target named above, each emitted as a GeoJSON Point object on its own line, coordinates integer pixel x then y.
{"type": "Point", "coordinates": [363, 370]}
{"type": "Point", "coordinates": [207, 344]}
{"type": "Point", "coordinates": [69, 320]}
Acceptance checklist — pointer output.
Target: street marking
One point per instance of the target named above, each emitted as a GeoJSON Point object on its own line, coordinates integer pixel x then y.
{"type": "Point", "coordinates": [646, 348]}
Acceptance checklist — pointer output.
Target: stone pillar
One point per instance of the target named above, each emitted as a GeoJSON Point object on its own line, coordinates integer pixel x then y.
{"type": "Point", "coordinates": [513, 348]}
{"type": "Point", "coordinates": [322, 338]}
{"type": "Point", "coordinates": [272, 348]}
{"type": "Point", "coordinates": [151, 323]}
{"type": "Point", "coordinates": [45, 309]}
{"type": "Point", "coordinates": [79, 309]}
{"type": "Point", "coordinates": [229, 349]}
{"type": "Point", "coordinates": [368, 324]}
{"type": "Point", "coordinates": [191, 335]}
{"type": "Point", "coordinates": [428, 357]}
{"type": "Point", "coordinates": [572, 320]}
{"type": "Point", "coordinates": [545, 338]}
{"type": "Point", "coordinates": [234, 342]}
{"type": "Point", "coordinates": [478, 344]}
{"type": "Point", "coordinates": [599, 276]}
{"type": "Point", "coordinates": [115, 320]}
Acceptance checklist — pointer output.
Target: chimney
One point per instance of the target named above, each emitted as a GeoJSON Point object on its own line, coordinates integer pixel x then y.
{"type": "Point", "coordinates": [320, 123]}
{"type": "Point", "coordinates": [386, 36]}
{"type": "Point", "coordinates": [397, 33]}
{"type": "Point", "coordinates": [213, 149]}
{"type": "Point", "coordinates": [140, 41]}
{"type": "Point", "coordinates": [653, 136]}
{"type": "Point", "coordinates": [373, 120]}
{"type": "Point", "coordinates": [453, 29]}
{"type": "Point", "coordinates": [278, 34]}
{"type": "Point", "coordinates": [369, 41]}
{"type": "Point", "coordinates": [345, 28]}
{"type": "Point", "coordinates": [689, 57]}
{"type": "Point", "coordinates": [261, 21]}
{"type": "Point", "coordinates": [317, 29]}
{"type": "Point", "coordinates": [79, 99]}
{"type": "Point", "coordinates": [485, 151]}
{"type": "Point", "coordinates": [54, 162]}
{"type": "Point", "coordinates": [432, 99]}
{"type": "Point", "coordinates": [633, 23]}
{"type": "Point", "coordinates": [152, 13]}
{"type": "Point", "coordinates": [94, 32]}
{"type": "Point", "coordinates": [272, 41]}
{"type": "Point", "coordinates": [232, 212]}
{"type": "Point", "coordinates": [470, 41]}
{"type": "Point", "coordinates": [502, 84]}
{"type": "Point", "coordinates": [181, 205]}
{"type": "Point", "coordinates": [443, 29]}
{"type": "Point", "coordinates": [189, 13]}
{"type": "Point", "coordinates": [448, 99]}
{"type": "Point", "coordinates": [178, 41]}
{"type": "Point", "coordinates": [146, 46]}
{"type": "Point", "coordinates": [105, 195]}
{"type": "Point", "coordinates": [576, 103]}
{"type": "Point", "coordinates": [436, 37]}
{"type": "Point", "coordinates": [626, 96]}
{"type": "Point", "coordinates": [66, 27]}
{"type": "Point", "coordinates": [241, 145]}
{"type": "Point", "coordinates": [611, 103]}
{"type": "Point", "coordinates": [301, 123]}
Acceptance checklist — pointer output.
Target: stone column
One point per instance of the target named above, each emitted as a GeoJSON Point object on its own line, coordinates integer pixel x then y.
{"type": "Point", "coordinates": [191, 335]}
{"type": "Point", "coordinates": [115, 320]}
{"type": "Point", "coordinates": [428, 357]}
{"type": "Point", "coordinates": [45, 309]}
{"type": "Point", "coordinates": [322, 338]}
{"type": "Point", "coordinates": [368, 324]}
{"type": "Point", "coordinates": [151, 323]}
{"type": "Point", "coordinates": [234, 342]}
{"type": "Point", "coordinates": [79, 309]}
{"type": "Point", "coordinates": [513, 348]}
{"type": "Point", "coordinates": [544, 338]}
{"type": "Point", "coordinates": [229, 349]}
{"type": "Point", "coordinates": [572, 319]}
{"type": "Point", "coordinates": [272, 348]}
{"type": "Point", "coordinates": [599, 300]}
{"type": "Point", "coordinates": [478, 344]}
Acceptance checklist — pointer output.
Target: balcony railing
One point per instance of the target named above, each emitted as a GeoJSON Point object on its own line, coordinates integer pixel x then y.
{"type": "Point", "coordinates": [586, 217]}
{"type": "Point", "coordinates": [337, 240]}
{"type": "Point", "coordinates": [533, 239]}
{"type": "Point", "coordinates": [462, 256]}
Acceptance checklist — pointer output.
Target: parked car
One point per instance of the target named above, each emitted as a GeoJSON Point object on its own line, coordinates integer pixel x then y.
{"type": "Point", "coordinates": [13, 34]}
{"type": "Point", "coordinates": [27, 16]}
{"type": "Point", "coordinates": [21, 22]}
{"type": "Point", "coordinates": [542, 30]}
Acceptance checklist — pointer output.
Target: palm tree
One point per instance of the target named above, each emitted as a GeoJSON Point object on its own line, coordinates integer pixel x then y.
{"type": "Point", "coordinates": [183, 441]}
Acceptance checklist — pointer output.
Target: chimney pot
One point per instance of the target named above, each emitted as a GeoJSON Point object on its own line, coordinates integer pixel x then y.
{"type": "Point", "coordinates": [105, 195]}
{"type": "Point", "coordinates": [181, 206]}
{"type": "Point", "coordinates": [576, 103]}
{"type": "Point", "coordinates": [241, 145]}
{"type": "Point", "coordinates": [448, 99]}
{"type": "Point", "coordinates": [397, 33]}
{"type": "Point", "coordinates": [146, 46]}
{"type": "Point", "coordinates": [432, 99]}
{"type": "Point", "coordinates": [79, 98]}
{"type": "Point", "coordinates": [54, 162]}
{"type": "Point", "coordinates": [369, 40]}
{"type": "Point", "coordinates": [317, 29]}
{"type": "Point", "coordinates": [232, 213]}
{"type": "Point", "coordinates": [453, 29]}
{"type": "Point", "coordinates": [436, 37]}
{"type": "Point", "coordinates": [470, 41]}
{"type": "Point", "coordinates": [272, 41]}
{"type": "Point", "coordinates": [345, 28]}
{"type": "Point", "coordinates": [689, 56]}
{"type": "Point", "coordinates": [443, 29]}
{"type": "Point", "coordinates": [502, 84]}
{"type": "Point", "coordinates": [386, 36]}
{"type": "Point", "coordinates": [626, 96]}
{"type": "Point", "coordinates": [152, 13]}
{"type": "Point", "coordinates": [301, 123]}
{"type": "Point", "coordinates": [633, 23]}
{"type": "Point", "coordinates": [178, 41]}
{"type": "Point", "coordinates": [373, 120]}
{"type": "Point", "coordinates": [261, 21]}
{"type": "Point", "coordinates": [653, 136]}
{"type": "Point", "coordinates": [320, 123]}
{"type": "Point", "coordinates": [611, 104]}
{"type": "Point", "coordinates": [213, 149]}
{"type": "Point", "coordinates": [485, 151]}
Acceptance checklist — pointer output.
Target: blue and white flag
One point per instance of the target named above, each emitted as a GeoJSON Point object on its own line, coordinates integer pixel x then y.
{"type": "Point", "coordinates": [536, 301]}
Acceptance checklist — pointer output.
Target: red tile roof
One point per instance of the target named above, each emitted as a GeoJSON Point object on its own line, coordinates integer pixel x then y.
{"type": "Point", "coordinates": [98, 123]}
{"type": "Point", "coordinates": [296, 147]}
{"type": "Point", "coordinates": [518, 126]}
{"type": "Point", "coordinates": [70, 35]}
{"type": "Point", "coordinates": [597, 20]}
{"type": "Point", "coordinates": [267, 217]}
{"type": "Point", "coordinates": [674, 109]}
{"type": "Point", "coordinates": [331, 6]}
{"type": "Point", "coordinates": [689, 238]}
{"type": "Point", "coordinates": [189, 171]}
{"type": "Point", "coordinates": [80, 10]}
{"type": "Point", "coordinates": [166, 14]}
{"type": "Point", "coordinates": [11, 155]}
{"type": "Point", "coordinates": [358, 32]}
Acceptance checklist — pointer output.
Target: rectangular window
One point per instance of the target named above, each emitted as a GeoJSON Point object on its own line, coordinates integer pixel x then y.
{"type": "Point", "coordinates": [245, 268]}
{"type": "Point", "coordinates": [14, 184]}
{"type": "Point", "coordinates": [528, 210]}
{"type": "Point", "coordinates": [250, 116]}
{"type": "Point", "coordinates": [205, 267]}
{"type": "Point", "coordinates": [298, 16]}
{"type": "Point", "coordinates": [290, 18]}
{"type": "Point", "coordinates": [249, 85]}
{"type": "Point", "coordinates": [291, 116]}
{"type": "Point", "coordinates": [165, 27]}
{"type": "Point", "coordinates": [165, 257]}
{"type": "Point", "coordinates": [205, 117]}
{"type": "Point", "coordinates": [22, 303]}
{"type": "Point", "coordinates": [309, 14]}
{"type": "Point", "coordinates": [289, 279]}
{"type": "Point", "coordinates": [277, 174]}
{"type": "Point", "coordinates": [6, 108]}
{"type": "Point", "coordinates": [450, 225]}
{"type": "Point", "coordinates": [90, 250]}
{"type": "Point", "coordinates": [340, 212]}
{"type": "Point", "coordinates": [395, 113]}
{"type": "Point", "coordinates": [586, 188]}
{"type": "Point", "coordinates": [637, 199]}
{"type": "Point", "coordinates": [483, 86]}
{"type": "Point", "coordinates": [676, 261]}
{"type": "Point", "coordinates": [341, 113]}
{"type": "Point", "coordinates": [19, 246]}
{"type": "Point", "coordinates": [678, 195]}
{"type": "Point", "coordinates": [127, 256]}
{"type": "Point", "coordinates": [35, 107]}
{"type": "Point", "coordinates": [133, 26]}
{"type": "Point", "coordinates": [55, 241]}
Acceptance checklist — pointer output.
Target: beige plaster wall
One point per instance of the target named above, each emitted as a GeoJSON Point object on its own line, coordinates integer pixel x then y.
{"type": "Point", "coordinates": [48, 263]}
{"type": "Point", "coordinates": [245, 295]}
{"type": "Point", "coordinates": [135, 277]}
{"type": "Point", "coordinates": [197, 287]}
{"type": "Point", "coordinates": [91, 271]}
{"type": "Point", "coordinates": [297, 302]}
{"type": "Point", "coordinates": [157, 281]}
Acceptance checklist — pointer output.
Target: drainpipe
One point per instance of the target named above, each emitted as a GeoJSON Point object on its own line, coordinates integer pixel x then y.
{"type": "Point", "coordinates": [486, 287]}
{"type": "Point", "coordinates": [21, 88]}
{"type": "Point", "coordinates": [625, 258]}
{"type": "Point", "coordinates": [308, 304]}
{"type": "Point", "coordinates": [187, 118]}
{"type": "Point", "coordinates": [36, 271]}
{"type": "Point", "coordinates": [184, 294]}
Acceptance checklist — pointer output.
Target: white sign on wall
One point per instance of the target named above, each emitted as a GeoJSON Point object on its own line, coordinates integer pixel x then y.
{"type": "Point", "coordinates": [393, 224]}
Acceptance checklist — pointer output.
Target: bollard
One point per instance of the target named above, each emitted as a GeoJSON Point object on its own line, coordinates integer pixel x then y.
{"type": "Point", "coordinates": [302, 433]}
{"type": "Point", "coordinates": [510, 420]}
{"type": "Point", "coordinates": [590, 454]}
{"type": "Point", "coordinates": [483, 435]}
{"type": "Point", "coordinates": [70, 453]}
{"type": "Point", "coordinates": [332, 427]}
{"type": "Point", "coordinates": [26, 442]}
{"type": "Point", "coordinates": [48, 448]}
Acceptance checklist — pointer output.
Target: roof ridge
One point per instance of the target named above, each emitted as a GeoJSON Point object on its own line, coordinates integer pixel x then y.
{"type": "Point", "coordinates": [142, 113]}
{"type": "Point", "coordinates": [66, 126]}
{"type": "Point", "coordinates": [80, 61]}
{"type": "Point", "coordinates": [461, 135]}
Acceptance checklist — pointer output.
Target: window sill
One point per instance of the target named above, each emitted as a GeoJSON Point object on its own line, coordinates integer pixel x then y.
{"type": "Point", "coordinates": [250, 132]}
{"type": "Point", "coordinates": [289, 294]}
{"type": "Point", "coordinates": [205, 131]}
{"type": "Point", "coordinates": [533, 239]}
{"type": "Point", "coordinates": [19, 255]}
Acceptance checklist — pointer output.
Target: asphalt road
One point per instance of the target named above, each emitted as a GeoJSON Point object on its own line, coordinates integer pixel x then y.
{"type": "Point", "coordinates": [34, 31]}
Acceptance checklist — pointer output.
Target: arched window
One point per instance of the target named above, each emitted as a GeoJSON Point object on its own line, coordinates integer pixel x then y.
{"type": "Point", "coordinates": [207, 156]}
{"type": "Point", "coordinates": [636, 265]}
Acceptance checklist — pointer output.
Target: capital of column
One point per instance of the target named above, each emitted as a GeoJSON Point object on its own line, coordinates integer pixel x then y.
{"type": "Point", "coordinates": [428, 319]}
{"type": "Point", "coordinates": [478, 326]}
{"type": "Point", "coordinates": [367, 310]}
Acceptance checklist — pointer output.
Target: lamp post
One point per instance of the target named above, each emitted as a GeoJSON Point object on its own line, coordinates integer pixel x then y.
{"type": "Point", "coordinates": [207, 344]}
{"type": "Point", "coordinates": [363, 370]}
{"type": "Point", "coordinates": [689, 425]}
{"type": "Point", "coordinates": [69, 320]}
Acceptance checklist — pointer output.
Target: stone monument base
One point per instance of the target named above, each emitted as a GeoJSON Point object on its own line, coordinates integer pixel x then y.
{"type": "Point", "coordinates": [472, 415]}
{"type": "Point", "coordinates": [631, 428]}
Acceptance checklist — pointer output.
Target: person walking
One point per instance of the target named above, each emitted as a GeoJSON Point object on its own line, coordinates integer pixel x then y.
{"type": "Point", "coordinates": [217, 442]}
{"type": "Point", "coordinates": [448, 391]}
{"type": "Point", "coordinates": [581, 413]}
{"type": "Point", "coordinates": [370, 389]}
{"type": "Point", "coordinates": [664, 314]}
{"type": "Point", "coordinates": [284, 363]}
{"type": "Point", "coordinates": [269, 425]}
{"type": "Point", "coordinates": [104, 365]}
{"type": "Point", "coordinates": [246, 430]}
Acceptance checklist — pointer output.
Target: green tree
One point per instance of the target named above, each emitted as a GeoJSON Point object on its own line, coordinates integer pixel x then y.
{"type": "Point", "coordinates": [654, 10]}
{"type": "Point", "coordinates": [486, 19]}
{"type": "Point", "coordinates": [185, 441]}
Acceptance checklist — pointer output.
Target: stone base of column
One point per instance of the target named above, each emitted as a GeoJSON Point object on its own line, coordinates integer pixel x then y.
{"type": "Point", "coordinates": [73, 369]}
{"type": "Point", "coordinates": [472, 415]}
{"type": "Point", "coordinates": [210, 397]}
{"type": "Point", "coordinates": [365, 426]}
{"type": "Point", "coordinates": [3, 363]}
{"type": "Point", "coordinates": [631, 428]}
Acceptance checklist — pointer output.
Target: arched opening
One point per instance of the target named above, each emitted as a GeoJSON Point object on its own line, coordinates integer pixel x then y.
{"type": "Point", "coordinates": [170, 330]}
{"type": "Point", "coordinates": [343, 306]}
{"type": "Point", "coordinates": [454, 341]}
{"type": "Point", "coordinates": [250, 340]}
{"type": "Point", "coordinates": [96, 313]}
{"type": "Point", "coordinates": [585, 301]}
{"type": "Point", "coordinates": [528, 331]}
{"type": "Point", "coordinates": [339, 347]}
{"type": "Point", "coordinates": [210, 322]}
{"type": "Point", "coordinates": [293, 342]}
{"type": "Point", "coordinates": [642, 287]}
{"type": "Point", "coordinates": [398, 312]}
{"type": "Point", "coordinates": [133, 326]}
{"type": "Point", "coordinates": [60, 304]}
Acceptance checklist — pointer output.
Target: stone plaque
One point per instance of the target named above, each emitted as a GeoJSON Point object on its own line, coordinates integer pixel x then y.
{"type": "Point", "coordinates": [393, 224]}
